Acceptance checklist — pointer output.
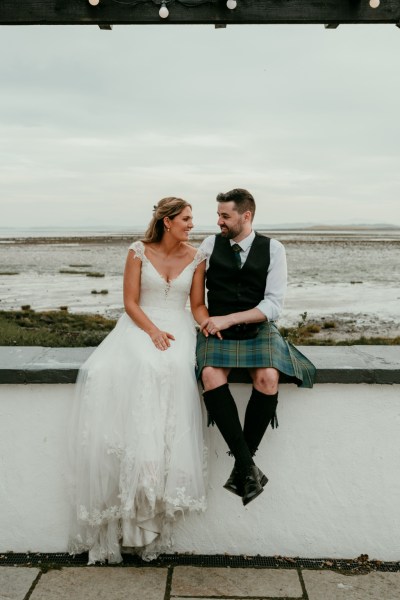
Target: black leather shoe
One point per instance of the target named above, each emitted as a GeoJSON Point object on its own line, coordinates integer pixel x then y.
{"type": "Point", "coordinates": [234, 483]}
{"type": "Point", "coordinates": [263, 478]}
{"type": "Point", "coordinates": [251, 485]}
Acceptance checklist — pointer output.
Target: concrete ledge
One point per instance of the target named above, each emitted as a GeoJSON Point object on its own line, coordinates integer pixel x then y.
{"type": "Point", "coordinates": [335, 364]}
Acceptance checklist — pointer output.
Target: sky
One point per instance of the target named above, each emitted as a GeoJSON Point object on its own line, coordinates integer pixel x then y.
{"type": "Point", "coordinates": [96, 126]}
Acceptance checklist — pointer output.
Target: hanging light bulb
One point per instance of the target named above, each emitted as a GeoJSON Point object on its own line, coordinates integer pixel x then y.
{"type": "Point", "coordinates": [94, 2]}
{"type": "Point", "coordinates": [163, 12]}
{"type": "Point", "coordinates": [374, 3]}
{"type": "Point", "coordinates": [231, 4]}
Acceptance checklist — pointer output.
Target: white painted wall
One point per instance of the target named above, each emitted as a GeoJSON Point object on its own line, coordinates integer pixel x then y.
{"type": "Point", "coordinates": [333, 465]}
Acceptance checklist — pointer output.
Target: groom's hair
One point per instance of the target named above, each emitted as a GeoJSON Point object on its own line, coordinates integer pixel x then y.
{"type": "Point", "coordinates": [242, 198]}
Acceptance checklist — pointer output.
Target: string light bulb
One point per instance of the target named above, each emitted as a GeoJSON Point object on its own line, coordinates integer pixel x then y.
{"type": "Point", "coordinates": [374, 3]}
{"type": "Point", "coordinates": [231, 4]}
{"type": "Point", "coordinates": [163, 12]}
{"type": "Point", "coordinates": [94, 2]}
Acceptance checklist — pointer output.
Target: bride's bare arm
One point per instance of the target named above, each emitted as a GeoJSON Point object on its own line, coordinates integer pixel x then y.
{"type": "Point", "coordinates": [132, 275]}
{"type": "Point", "coordinates": [197, 295]}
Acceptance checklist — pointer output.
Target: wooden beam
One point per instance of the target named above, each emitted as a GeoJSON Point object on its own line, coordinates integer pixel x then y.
{"type": "Point", "coordinates": [80, 12]}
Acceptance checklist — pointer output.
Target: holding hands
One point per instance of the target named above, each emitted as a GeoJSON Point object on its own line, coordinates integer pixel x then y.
{"type": "Point", "coordinates": [214, 325]}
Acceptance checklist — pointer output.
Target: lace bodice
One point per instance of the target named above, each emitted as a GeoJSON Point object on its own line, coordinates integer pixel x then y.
{"type": "Point", "coordinates": [155, 291]}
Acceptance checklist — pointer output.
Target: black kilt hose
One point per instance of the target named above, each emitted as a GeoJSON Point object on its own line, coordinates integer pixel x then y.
{"type": "Point", "coordinates": [268, 349]}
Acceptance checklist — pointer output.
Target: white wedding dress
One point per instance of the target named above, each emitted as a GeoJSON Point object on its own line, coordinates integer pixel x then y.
{"type": "Point", "coordinates": [137, 453]}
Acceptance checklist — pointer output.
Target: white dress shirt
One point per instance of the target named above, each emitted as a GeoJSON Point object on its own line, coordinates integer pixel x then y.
{"type": "Point", "coordinates": [272, 303]}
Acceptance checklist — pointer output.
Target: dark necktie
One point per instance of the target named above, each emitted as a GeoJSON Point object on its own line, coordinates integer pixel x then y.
{"type": "Point", "coordinates": [237, 250]}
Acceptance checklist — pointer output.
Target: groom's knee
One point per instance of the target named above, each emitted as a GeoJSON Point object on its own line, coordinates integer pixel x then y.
{"type": "Point", "coordinates": [266, 380]}
{"type": "Point", "coordinates": [213, 377]}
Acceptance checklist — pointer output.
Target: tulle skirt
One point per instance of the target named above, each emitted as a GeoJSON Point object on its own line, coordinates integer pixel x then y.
{"type": "Point", "coordinates": [136, 441]}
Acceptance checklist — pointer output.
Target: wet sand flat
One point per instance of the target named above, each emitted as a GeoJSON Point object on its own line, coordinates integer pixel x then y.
{"type": "Point", "coordinates": [350, 278]}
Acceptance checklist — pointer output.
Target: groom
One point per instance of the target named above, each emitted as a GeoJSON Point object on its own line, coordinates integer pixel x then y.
{"type": "Point", "coordinates": [246, 283]}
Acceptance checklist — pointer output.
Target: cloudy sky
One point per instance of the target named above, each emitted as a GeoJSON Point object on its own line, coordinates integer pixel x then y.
{"type": "Point", "coordinates": [96, 126]}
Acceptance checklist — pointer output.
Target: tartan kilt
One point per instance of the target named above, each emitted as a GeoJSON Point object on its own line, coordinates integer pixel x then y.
{"type": "Point", "coordinates": [268, 349]}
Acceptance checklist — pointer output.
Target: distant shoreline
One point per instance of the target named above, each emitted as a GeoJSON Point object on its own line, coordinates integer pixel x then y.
{"type": "Point", "coordinates": [57, 235]}
{"type": "Point", "coordinates": [306, 235]}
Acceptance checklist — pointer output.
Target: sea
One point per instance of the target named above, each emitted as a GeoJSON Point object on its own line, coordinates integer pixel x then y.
{"type": "Point", "coordinates": [347, 274]}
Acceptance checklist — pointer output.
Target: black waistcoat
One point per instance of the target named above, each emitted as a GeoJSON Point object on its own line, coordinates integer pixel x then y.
{"type": "Point", "coordinates": [230, 289]}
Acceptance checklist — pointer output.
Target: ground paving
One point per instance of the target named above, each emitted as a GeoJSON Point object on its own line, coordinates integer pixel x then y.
{"type": "Point", "coordinates": [194, 583]}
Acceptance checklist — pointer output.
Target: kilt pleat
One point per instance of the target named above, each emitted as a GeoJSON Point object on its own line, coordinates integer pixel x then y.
{"type": "Point", "coordinates": [268, 349]}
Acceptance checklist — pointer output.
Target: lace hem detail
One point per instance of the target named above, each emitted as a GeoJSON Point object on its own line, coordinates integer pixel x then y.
{"type": "Point", "coordinates": [100, 533]}
{"type": "Point", "coordinates": [179, 502]}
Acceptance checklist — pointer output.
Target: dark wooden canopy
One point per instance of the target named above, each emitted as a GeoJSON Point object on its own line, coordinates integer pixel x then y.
{"type": "Point", "coordinates": [330, 13]}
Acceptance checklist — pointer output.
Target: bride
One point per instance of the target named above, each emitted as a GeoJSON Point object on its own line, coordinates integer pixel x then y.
{"type": "Point", "coordinates": [137, 439]}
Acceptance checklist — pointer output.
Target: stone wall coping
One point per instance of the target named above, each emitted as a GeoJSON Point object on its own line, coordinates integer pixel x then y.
{"type": "Point", "coordinates": [335, 364]}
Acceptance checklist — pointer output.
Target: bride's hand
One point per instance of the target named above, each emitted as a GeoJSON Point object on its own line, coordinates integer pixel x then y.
{"type": "Point", "coordinates": [161, 339]}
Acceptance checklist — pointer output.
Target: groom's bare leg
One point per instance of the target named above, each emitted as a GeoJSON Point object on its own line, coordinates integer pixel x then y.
{"type": "Point", "coordinates": [265, 379]}
{"type": "Point", "coordinates": [213, 377]}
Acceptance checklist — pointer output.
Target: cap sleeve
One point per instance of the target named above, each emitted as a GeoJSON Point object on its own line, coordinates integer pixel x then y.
{"type": "Point", "coordinates": [199, 257]}
{"type": "Point", "coordinates": [138, 248]}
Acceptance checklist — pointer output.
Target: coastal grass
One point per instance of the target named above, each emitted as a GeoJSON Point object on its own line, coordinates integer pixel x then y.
{"type": "Point", "coordinates": [361, 341]}
{"type": "Point", "coordinates": [55, 329]}
{"type": "Point", "coordinates": [59, 328]}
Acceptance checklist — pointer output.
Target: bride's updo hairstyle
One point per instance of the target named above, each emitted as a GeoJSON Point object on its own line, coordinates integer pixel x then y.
{"type": "Point", "coordinates": [167, 207]}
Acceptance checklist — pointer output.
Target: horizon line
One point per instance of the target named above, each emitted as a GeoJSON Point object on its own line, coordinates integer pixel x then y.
{"type": "Point", "coordinates": [297, 225]}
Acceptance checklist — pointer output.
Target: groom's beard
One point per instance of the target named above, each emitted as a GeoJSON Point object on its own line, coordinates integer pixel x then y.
{"type": "Point", "coordinates": [230, 232]}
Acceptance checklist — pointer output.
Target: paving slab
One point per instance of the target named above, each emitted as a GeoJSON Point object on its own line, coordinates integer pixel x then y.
{"type": "Point", "coordinates": [327, 585]}
{"type": "Point", "coordinates": [16, 581]}
{"type": "Point", "coordinates": [225, 581]}
{"type": "Point", "coordinates": [102, 583]}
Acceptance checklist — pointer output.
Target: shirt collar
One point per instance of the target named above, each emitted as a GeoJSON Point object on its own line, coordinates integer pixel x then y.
{"type": "Point", "coordinates": [246, 242]}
